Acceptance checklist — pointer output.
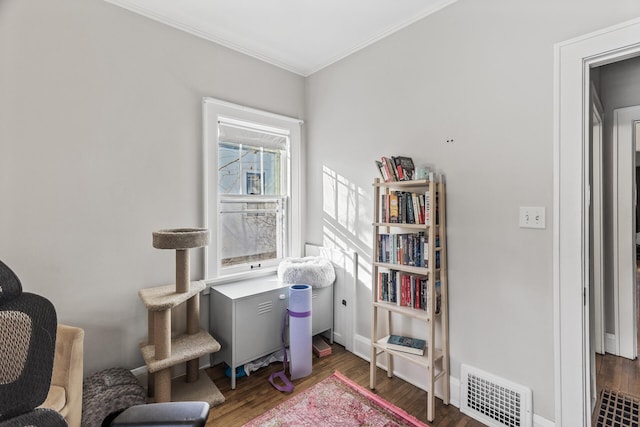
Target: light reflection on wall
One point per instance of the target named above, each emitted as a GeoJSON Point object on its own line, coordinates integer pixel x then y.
{"type": "Point", "coordinates": [347, 220]}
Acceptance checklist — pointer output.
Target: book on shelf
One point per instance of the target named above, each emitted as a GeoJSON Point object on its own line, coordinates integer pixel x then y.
{"type": "Point", "coordinates": [389, 167]}
{"type": "Point", "coordinates": [410, 216]}
{"type": "Point", "coordinates": [383, 287]}
{"type": "Point", "coordinates": [406, 344]}
{"type": "Point", "coordinates": [424, 293]}
{"type": "Point", "coordinates": [431, 210]}
{"type": "Point", "coordinates": [404, 167]}
{"type": "Point", "coordinates": [415, 203]}
{"type": "Point", "coordinates": [438, 297]}
{"type": "Point", "coordinates": [383, 171]}
{"type": "Point", "coordinates": [384, 208]}
{"type": "Point", "coordinates": [427, 208]}
{"type": "Point", "coordinates": [396, 168]}
{"type": "Point", "coordinates": [394, 210]}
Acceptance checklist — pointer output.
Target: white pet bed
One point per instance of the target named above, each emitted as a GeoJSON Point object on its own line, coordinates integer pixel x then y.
{"type": "Point", "coordinates": [314, 271]}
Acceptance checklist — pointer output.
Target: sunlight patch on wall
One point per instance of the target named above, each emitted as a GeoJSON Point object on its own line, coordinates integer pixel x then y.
{"type": "Point", "coordinates": [339, 199]}
{"type": "Point", "coordinates": [346, 225]}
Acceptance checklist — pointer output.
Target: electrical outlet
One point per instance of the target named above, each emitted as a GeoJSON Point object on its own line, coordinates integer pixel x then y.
{"type": "Point", "coordinates": [532, 217]}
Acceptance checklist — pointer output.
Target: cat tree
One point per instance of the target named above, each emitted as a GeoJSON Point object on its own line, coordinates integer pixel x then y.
{"type": "Point", "coordinates": [163, 351]}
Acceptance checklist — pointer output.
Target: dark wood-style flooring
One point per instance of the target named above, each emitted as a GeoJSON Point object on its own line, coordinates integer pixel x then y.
{"type": "Point", "coordinates": [254, 395]}
{"type": "Point", "coordinates": [617, 373]}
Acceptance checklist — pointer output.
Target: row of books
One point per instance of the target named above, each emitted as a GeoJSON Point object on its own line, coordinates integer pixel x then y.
{"type": "Point", "coordinates": [406, 249]}
{"type": "Point", "coordinates": [406, 290]}
{"type": "Point", "coordinates": [406, 207]}
{"type": "Point", "coordinates": [396, 168]}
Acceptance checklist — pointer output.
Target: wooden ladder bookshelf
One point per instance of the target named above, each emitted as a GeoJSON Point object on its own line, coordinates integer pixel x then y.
{"type": "Point", "coordinates": [410, 248]}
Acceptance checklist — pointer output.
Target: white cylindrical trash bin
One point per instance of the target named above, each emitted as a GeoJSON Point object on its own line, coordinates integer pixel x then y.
{"type": "Point", "coordinates": [300, 330]}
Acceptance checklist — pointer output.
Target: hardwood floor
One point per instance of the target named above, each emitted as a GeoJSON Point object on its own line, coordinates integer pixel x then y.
{"type": "Point", "coordinates": [254, 395]}
{"type": "Point", "coordinates": [619, 373]}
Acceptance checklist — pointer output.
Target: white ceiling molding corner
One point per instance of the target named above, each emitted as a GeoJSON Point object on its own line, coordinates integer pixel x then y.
{"type": "Point", "coordinates": [168, 20]}
{"type": "Point", "coordinates": [433, 8]}
{"type": "Point", "coordinates": [300, 37]}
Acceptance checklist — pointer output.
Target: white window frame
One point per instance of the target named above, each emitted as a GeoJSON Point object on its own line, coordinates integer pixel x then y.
{"type": "Point", "coordinates": [213, 110]}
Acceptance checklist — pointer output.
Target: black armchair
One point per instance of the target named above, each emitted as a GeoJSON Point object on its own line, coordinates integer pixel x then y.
{"type": "Point", "coordinates": [27, 347]}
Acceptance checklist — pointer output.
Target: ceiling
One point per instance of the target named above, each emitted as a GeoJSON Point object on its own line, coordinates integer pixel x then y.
{"type": "Point", "coordinates": [302, 36]}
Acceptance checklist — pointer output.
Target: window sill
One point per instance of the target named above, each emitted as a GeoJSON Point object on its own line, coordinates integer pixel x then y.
{"type": "Point", "coordinates": [241, 277]}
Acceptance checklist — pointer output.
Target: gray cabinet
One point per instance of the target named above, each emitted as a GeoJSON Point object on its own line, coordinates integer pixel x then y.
{"type": "Point", "coordinates": [246, 318]}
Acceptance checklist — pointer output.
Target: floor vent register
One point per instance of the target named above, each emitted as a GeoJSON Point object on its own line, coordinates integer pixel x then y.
{"type": "Point", "coordinates": [494, 401]}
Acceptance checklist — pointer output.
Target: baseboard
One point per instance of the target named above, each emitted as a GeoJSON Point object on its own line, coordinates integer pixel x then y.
{"type": "Point", "coordinates": [177, 371]}
{"type": "Point", "coordinates": [610, 343]}
{"type": "Point", "coordinates": [140, 371]}
{"type": "Point", "coordinates": [539, 421]}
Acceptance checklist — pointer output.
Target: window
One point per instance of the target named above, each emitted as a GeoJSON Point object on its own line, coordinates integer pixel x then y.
{"type": "Point", "coordinates": [252, 189]}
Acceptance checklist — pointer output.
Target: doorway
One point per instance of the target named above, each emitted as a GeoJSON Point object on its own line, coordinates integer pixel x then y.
{"type": "Point", "coordinates": [613, 279]}
{"type": "Point", "coordinates": [614, 370]}
{"type": "Point", "coordinates": [571, 259]}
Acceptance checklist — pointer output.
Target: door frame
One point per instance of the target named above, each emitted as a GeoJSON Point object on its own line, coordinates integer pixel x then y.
{"type": "Point", "coordinates": [597, 135]}
{"type": "Point", "coordinates": [596, 272]}
{"type": "Point", "coordinates": [572, 62]}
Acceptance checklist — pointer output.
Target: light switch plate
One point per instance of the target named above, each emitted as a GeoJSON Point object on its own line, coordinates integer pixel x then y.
{"type": "Point", "coordinates": [532, 217]}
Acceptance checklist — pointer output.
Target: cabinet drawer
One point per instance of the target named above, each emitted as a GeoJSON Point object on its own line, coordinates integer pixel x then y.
{"type": "Point", "coordinates": [259, 324]}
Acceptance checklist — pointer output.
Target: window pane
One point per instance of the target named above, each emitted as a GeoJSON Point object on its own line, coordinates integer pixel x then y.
{"type": "Point", "coordinates": [272, 172]}
{"type": "Point", "coordinates": [251, 232]}
{"type": "Point", "coordinates": [251, 165]}
{"type": "Point", "coordinates": [246, 169]}
{"type": "Point", "coordinates": [229, 169]}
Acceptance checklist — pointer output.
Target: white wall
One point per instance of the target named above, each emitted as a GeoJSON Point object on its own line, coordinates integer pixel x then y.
{"type": "Point", "coordinates": [480, 73]}
{"type": "Point", "coordinates": [100, 145]}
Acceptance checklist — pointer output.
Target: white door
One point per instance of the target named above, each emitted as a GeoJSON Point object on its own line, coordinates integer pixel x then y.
{"type": "Point", "coordinates": [624, 276]}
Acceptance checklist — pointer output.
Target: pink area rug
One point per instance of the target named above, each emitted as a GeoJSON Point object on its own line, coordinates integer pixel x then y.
{"type": "Point", "coordinates": [335, 401]}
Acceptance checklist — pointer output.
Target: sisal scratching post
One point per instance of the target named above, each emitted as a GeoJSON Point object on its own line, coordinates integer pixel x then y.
{"type": "Point", "coordinates": [162, 341]}
{"type": "Point", "coordinates": [193, 325]}
{"type": "Point", "coordinates": [193, 315]}
{"type": "Point", "coordinates": [182, 270]}
{"type": "Point", "coordinates": [150, 334]}
{"type": "Point", "coordinates": [163, 386]}
{"type": "Point", "coordinates": [193, 370]}
{"type": "Point", "coordinates": [162, 334]}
